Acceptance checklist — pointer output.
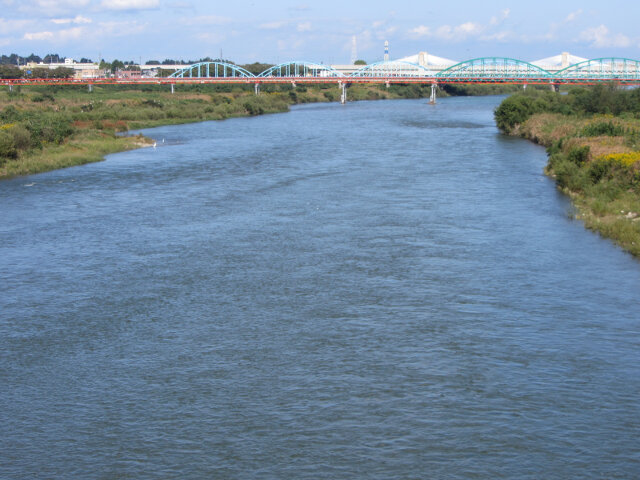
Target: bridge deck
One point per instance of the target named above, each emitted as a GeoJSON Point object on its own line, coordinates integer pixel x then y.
{"type": "Point", "coordinates": [322, 80]}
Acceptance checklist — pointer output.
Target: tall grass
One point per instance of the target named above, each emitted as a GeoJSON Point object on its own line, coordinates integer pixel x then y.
{"type": "Point", "coordinates": [594, 152]}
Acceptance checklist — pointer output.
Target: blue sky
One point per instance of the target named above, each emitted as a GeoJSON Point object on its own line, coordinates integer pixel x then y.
{"type": "Point", "coordinates": [275, 31]}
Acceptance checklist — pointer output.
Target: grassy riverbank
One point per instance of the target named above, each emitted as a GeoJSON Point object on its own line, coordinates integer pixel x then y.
{"type": "Point", "coordinates": [593, 141]}
{"type": "Point", "coordinates": [46, 128]}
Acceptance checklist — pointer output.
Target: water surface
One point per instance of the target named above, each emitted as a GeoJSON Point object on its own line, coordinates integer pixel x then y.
{"type": "Point", "coordinates": [378, 290]}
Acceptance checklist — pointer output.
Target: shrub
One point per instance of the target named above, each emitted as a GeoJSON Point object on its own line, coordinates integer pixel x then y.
{"type": "Point", "coordinates": [599, 170]}
{"type": "Point", "coordinates": [10, 114]}
{"type": "Point", "coordinates": [42, 97]}
{"type": "Point", "coordinates": [253, 106]}
{"type": "Point", "coordinates": [330, 95]}
{"type": "Point", "coordinates": [600, 129]}
{"type": "Point", "coordinates": [8, 148]}
{"type": "Point", "coordinates": [21, 137]}
{"type": "Point", "coordinates": [579, 155]}
{"type": "Point", "coordinates": [513, 111]}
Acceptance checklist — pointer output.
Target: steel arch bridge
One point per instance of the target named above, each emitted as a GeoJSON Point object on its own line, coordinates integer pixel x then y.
{"type": "Point", "coordinates": [397, 68]}
{"type": "Point", "coordinates": [212, 70]}
{"type": "Point", "coordinates": [300, 69]}
{"type": "Point", "coordinates": [609, 68]}
{"type": "Point", "coordinates": [494, 67]}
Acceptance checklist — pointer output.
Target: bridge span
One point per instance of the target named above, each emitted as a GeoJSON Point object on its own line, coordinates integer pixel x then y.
{"type": "Point", "coordinates": [485, 70]}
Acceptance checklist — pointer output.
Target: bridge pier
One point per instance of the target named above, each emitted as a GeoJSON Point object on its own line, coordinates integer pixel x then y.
{"type": "Point", "coordinates": [555, 87]}
{"type": "Point", "coordinates": [256, 88]}
{"type": "Point", "coordinates": [11, 87]}
{"type": "Point", "coordinates": [432, 98]}
{"type": "Point", "coordinates": [343, 92]}
{"type": "Point", "coordinates": [387, 84]}
{"type": "Point", "coordinates": [90, 87]}
{"type": "Point", "coordinates": [173, 89]}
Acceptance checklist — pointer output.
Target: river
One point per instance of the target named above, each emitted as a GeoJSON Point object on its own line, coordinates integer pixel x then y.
{"type": "Point", "coordinates": [381, 290]}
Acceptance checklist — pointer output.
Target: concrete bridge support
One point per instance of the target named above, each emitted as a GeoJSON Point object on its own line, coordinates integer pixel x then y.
{"type": "Point", "coordinates": [173, 88]}
{"type": "Point", "coordinates": [343, 92]}
{"type": "Point", "coordinates": [555, 87]}
{"type": "Point", "coordinates": [256, 88]}
{"type": "Point", "coordinates": [11, 87]}
{"type": "Point", "coordinates": [432, 98]}
{"type": "Point", "coordinates": [90, 88]}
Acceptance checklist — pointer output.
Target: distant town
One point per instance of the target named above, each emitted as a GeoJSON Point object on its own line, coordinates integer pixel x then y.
{"type": "Point", "coordinates": [54, 65]}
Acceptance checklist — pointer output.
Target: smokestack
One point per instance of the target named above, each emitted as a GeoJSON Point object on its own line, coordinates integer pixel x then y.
{"type": "Point", "coordinates": [386, 50]}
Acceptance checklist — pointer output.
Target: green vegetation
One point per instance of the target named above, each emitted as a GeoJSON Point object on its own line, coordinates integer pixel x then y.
{"type": "Point", "coordinates": [463, 90]}
{"type": "Point", "coordinates": [592, 137]}
{"type": "Point", "coordinates": [45, 128]}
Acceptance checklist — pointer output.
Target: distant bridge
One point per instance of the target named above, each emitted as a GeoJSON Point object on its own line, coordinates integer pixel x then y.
{"type": "Point", "coordinates": [485, 70]}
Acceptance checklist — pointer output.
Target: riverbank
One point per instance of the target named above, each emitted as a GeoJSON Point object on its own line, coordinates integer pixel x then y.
{"type": "Point", "coordinates": [593, 142]}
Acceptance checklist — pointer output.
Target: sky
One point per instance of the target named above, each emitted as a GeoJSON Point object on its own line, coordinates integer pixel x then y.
{"type": "Point", "coordinates": [278, 30]}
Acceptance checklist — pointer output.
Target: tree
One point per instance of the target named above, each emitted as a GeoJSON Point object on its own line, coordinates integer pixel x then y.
{"type": "Point", "coordinates": [10, 71]}
{"type": "Point", "coordinates": [359, 62]}
{"type": "Point", "coordinates": [257, 68]}
{"type": "Point", "coordinates": [116, 65]}
{"type": "Point", "coordinates": [62, 72]}
{"type": "Point", "coordinates": [52, 58]}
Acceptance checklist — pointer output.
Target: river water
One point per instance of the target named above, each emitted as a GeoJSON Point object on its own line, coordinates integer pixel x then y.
{"type": "Point", "coordinates": [382, 290]}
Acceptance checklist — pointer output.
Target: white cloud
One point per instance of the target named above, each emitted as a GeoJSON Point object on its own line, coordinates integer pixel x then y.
{"type": "Point", "coordinates": [46, 8]}
{"type": "Point", "coordinates": [420, 31]}
{"type": "Point", "coordinates": [273, 25]}
{"type": "Point", "coordinates": [503, 16]}
{"type": "Point", "coordinates": [468, 28]}
{"type": "Point", "coordinates": [304, 27]}
{"type": "Point", "coordinates": [7, 26]}
{"type": "Point", "coordinates": [59, 36]}
{"type": "Point", "coordinates": [464, 31]}
{"type": "Point", "coordinates": [38, 36]}
{"type": "Point", "coordinates": [120, 29]}
{"type": "Point", "coordinates": [211, 37]}
{"type": "Point", "coordinates": [51, 4]}
{"type": "Point", "coordinates": [457, 33]}
{"type": "Point", "coordinates": [205, 20]}
{"type": "Point", "coordinates": [497, 37]}
{"type": "Point", "coordinates": [130, 4]}
{"type": "Point", "coordinates": [78, 19]}
{"type": "Point", "coordinates": [601, 38]}
{"type": "Point", "coordinates": [573, 15]}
